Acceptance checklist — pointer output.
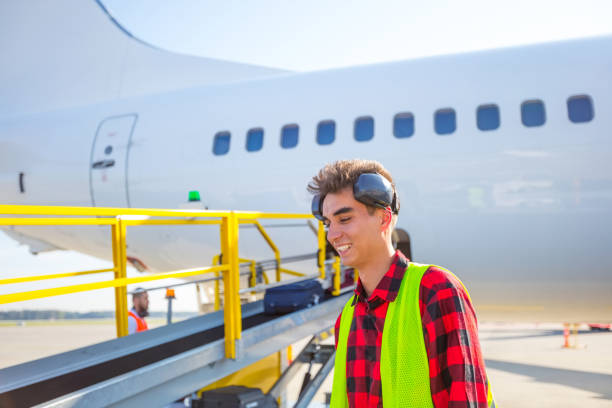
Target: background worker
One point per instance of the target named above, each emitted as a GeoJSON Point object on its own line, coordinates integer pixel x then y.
{"type": "Point", "coordinates": [408, 337]}
{"type": "Point", "coordinates": [140, 310]}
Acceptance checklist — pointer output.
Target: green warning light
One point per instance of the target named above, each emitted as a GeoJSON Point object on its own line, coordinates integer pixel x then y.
{"type": "Point", "coordinates": [194, 195]}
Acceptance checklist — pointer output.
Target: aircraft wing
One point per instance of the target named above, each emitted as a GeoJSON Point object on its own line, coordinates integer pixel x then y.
{"type": "Point", "coordinates": [71, 53]}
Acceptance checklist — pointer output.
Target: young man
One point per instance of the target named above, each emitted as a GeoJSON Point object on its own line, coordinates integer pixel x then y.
{"type": "Point", "coordinates": [408, 337]}
{"type": "Point", "coordinates": [140, 310]}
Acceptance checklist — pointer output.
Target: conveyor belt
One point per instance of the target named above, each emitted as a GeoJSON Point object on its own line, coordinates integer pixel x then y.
{"type": "Point", "coordinates": [92, 369]}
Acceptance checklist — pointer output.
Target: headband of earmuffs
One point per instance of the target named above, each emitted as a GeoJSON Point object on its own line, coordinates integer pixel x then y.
{"type": "Point", "coordinates": [371, 189]}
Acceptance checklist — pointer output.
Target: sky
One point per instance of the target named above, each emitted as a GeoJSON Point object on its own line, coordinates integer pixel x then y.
{"type": "Point", "coordinates": [307, 36]}
{"type": "Point", "coordinates": [317, 34]}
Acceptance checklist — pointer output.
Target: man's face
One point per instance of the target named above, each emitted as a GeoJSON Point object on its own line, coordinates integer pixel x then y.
{"type": "Point", "coordinates": [141, 303]}
{"type": "Point", "coordinates": [353, 232]}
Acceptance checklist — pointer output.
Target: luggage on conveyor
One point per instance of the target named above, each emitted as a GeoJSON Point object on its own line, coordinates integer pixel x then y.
{"type": "Point", "coordinates": [235, 396]}
{"type": "Point", "coordinates": [292, 297]}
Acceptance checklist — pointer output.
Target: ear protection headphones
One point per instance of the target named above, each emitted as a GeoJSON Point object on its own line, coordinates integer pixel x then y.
{"type": "Point", "coordinates": [371, 189]}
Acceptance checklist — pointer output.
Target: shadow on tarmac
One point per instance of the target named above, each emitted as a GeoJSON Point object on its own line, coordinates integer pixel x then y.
{"type": "Point", "coordinates": [583, 380]}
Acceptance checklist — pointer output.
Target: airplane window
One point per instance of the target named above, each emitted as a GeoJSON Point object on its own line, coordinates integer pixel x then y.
{"type": "Point", "coordinates": [445, 121]}
{"type": "Point", "coordinates": [289, 136]}
{"type": "Point", "coordinates": [326, 132]}
{"type": "Point", "coordinates": [254, 140]}
{"type": "Point", "coordinates": [487, 117]}
{"type": "Point", "coordinates": [533, 113]}
{"type": "Point", "coordinates": [580, 108]}
{"type": "Point", "coordinates": [221, 144]}
{"type": "Point", "coordinates": [364, 128]}
{"type": "Point", "coordinates": [403, 125]}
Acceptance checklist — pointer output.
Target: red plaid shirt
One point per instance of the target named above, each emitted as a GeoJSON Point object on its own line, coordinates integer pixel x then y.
{"type": "Point", "coordinates": [456, 367]}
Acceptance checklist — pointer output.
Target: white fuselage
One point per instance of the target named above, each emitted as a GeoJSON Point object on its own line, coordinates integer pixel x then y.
{"type": "Point", "coordinates": [522, 214]}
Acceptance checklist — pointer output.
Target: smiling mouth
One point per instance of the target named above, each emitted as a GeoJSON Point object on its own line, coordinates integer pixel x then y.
{"type": "Point", "coordinates": [343, 248]}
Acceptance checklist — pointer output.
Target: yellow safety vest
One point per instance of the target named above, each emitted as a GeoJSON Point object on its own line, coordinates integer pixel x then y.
{"type": "Point", "coordinates": [404, 367]}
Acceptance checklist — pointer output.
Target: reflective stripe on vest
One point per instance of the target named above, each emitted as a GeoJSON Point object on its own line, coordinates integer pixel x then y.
{"type": "Point", "coordinates": [141, 325]}
{"type": "Point", "coordinates": [404, 367]}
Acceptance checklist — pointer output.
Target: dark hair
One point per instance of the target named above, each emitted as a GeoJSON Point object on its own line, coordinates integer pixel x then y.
{"type": "Point", "coordinates": [341, 174]}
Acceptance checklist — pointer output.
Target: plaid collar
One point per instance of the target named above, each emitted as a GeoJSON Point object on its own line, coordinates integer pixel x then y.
{"type": "Point", "coordinates": [388, 287]}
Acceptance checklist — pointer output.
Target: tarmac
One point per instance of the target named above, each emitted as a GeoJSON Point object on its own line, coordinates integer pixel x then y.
{"type": "Point", "coordinates": [528, 367]}
{"type": "Point", "coordinates": [526, 363]}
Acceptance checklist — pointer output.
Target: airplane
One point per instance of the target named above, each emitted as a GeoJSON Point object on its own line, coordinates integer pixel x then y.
{"type": "Point", "coordinates": [501, 157]}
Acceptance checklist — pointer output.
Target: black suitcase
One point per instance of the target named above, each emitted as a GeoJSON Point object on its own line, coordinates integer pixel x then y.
{"type": "Point", "coordinates": [292, 297]}
{"type": "Point", "coordinates": [235, 396]}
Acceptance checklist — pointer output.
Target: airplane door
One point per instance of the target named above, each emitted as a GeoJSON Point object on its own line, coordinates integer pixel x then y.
{"type": "Point", "coordinates": [108, 170]}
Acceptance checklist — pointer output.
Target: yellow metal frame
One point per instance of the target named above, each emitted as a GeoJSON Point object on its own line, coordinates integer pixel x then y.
{"type": "Point", "coordinates": [268, 239]}
{"type": "Point", "coordinates": [120, 218]}
{"type": "Point", "coordinates": [114, 283]}
{"type": "Point", "coordinates": [322, 241]}
{"type": "Point", "coordinates": [337, 271]}
{"type": "Point", "coordinates": [52, 276]}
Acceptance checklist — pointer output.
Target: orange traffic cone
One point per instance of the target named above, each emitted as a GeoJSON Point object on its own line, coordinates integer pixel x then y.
{"type": "Point", "coordinates": [566, 334]}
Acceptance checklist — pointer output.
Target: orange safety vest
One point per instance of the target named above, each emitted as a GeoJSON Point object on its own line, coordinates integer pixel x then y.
{"type": "Point", "coordinates": [141, 325]}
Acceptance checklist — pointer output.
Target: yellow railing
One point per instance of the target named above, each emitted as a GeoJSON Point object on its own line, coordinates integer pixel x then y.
{"type": "Point", "coordinates": [120, 218]}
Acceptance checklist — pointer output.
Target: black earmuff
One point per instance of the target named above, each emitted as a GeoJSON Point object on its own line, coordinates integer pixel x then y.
{"type": "Point", "coordinates": [315, 207]}
{"type": "Point", "coordinates": [371, 189]}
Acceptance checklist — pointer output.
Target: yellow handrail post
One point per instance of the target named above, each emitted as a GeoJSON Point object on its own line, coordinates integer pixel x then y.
{"type": "Point", "coordinates": [253, 267]}
{"type": "Point", "coordinates": [278, 267]}
{"type": "Point", "coordinates": [235, 268]}
{"type": "Point", "coordinates": [274, 248]}
{"type": "Point", "coordinates": [118, 235]}
{"type": "Point", "coordinates": [231, 302]}
{"type": "Point", "coordinates": [337, 271]}
{"type": "Point", "coordinates": [217, 261]}
{"type": "Point", "coordinates": [321, 236]}
{"type": "Point", "coordinates": [217, 292]}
